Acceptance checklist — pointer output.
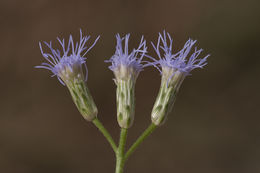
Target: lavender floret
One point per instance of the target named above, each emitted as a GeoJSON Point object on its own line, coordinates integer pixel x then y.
{"type": "Point", "coordinates": [180, 60]}
{"type": "Point", "coordinates": [69, 63]}
{"type": "Point", "coordinates": [123, 58]}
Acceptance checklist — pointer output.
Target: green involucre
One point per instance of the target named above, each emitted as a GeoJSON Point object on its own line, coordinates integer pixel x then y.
{"type": "Point", "coordinates": [170, 83]}
{"type": "Point", "coordinates": [125, 102]}
{"type": "Point", "coordinates": [83, 99]}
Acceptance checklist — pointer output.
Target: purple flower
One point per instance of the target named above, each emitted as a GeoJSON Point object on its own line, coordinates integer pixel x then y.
{"type": "Point", "coordinates": [68, 64]}
{"type": "Point", "coordinates": [173, 68]}
{"type": "Point", "coordinates": [126, 67]}
{"type": "Point", "coordinates": [125, 63]}
{"type": "Point", "coordinates": [178, 61]}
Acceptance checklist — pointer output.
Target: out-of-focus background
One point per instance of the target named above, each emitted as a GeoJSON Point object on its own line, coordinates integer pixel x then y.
{"type": "Point", "coordinates": [214, 126]}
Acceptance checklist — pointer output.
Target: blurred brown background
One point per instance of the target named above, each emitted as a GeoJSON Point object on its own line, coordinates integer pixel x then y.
{"type": "Point", "coordinates": [214, 127]}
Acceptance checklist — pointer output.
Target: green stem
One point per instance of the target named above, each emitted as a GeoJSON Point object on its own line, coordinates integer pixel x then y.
{"type": "Point", "coordinates": [141, 138]}
{"type": "Point", "coordinates": [120, 161]}
{"type": "Point", "coordinates": [104, 131]}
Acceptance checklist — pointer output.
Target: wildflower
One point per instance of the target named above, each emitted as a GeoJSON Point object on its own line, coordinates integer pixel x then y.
{"type": "Point", "coordinates": [173, 68]}
{"type": "Point", "coordinates": [126, 67]}
{"type": "Point", "coordinates": [69, 67]}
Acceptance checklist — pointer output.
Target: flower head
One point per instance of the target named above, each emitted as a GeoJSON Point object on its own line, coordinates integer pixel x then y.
{"type": "Point", "coordinates": [180, 60]}
{"type": "Point", "coordinates": [126, 67]}
{"type": "Point", "coordinates": [173, 68]}
{"type": "Point", "coordinates": [125, 64]}
{"type": "Point", "coordinates": [67, 65]}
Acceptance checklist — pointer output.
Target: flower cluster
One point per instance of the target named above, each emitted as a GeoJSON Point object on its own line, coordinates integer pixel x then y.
{"type": "Point", "coordinates": [69, 65]}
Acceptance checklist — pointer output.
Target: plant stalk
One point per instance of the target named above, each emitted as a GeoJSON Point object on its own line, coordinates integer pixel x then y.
{"type": "Point", "coordinates": [107, 135]}
{"type": "Point", "coordinates": [141, 138]}
{"type": "Point", "coordinates": [120, 159]}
